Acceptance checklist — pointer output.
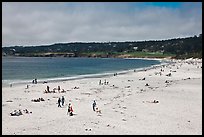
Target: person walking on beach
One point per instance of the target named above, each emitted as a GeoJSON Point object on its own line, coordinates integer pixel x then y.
{"type": "Point", "coordinates": [59, 100]}
{"type": "Point", "coordinates": [94, 105]}
{"type": "Point", "coordinates": [62, 100]}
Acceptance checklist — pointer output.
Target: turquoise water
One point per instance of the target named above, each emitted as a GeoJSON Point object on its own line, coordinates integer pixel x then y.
{"type": "Point", "coordinates": [18, 69]}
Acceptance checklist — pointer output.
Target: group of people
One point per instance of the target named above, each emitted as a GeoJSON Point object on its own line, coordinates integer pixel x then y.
{"type": "Point", "coordinates": [105, 82]}
{"type": "Point", "coordinates": [48, 90]}
{"type": "Point", "coordinates": [115, 74]}
{"type": "Point", "coordinates": [61, 101]}
{"type": "Point", "coordinates": [70, 109]}
{"type": "Point", "coordinates": [35, 81]}
{"type": "Point", "coordinates": [58, 88]}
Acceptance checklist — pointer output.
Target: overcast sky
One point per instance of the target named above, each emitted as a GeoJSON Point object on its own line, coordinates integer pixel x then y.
{"type": "Point", "coordinates": [47, 23]}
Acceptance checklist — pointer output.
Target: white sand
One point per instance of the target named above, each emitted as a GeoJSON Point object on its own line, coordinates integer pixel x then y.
{"type": "Point", "coordinates": [126, 107]}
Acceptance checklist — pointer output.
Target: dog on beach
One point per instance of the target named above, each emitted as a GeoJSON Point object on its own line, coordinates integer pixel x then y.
{"type": "Point", "coordinates": [98, 110]}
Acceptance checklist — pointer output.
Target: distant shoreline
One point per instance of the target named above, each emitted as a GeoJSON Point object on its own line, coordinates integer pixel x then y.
{"type": "Point", "coordinates": [96, 75]}
{"type": "Point", "coordinates": [174, 48]}
{"type": "Point", "coordinates": [125, 56]}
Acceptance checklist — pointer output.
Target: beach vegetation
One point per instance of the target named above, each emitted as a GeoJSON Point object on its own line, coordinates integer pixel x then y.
{"type": "Point", "coordinates": [189, 47]}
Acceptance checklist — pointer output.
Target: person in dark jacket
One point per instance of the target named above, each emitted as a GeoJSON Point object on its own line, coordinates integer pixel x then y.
{"type": "Point", "coordinates": [62, 100]}
{"type": "Point", "coordinates": [94, 105]}
{"type": "Point", "coordinates": [59, 101]}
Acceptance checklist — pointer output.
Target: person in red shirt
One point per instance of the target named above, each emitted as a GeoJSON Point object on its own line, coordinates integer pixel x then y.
{"type": "Point", "coordinates": [70, 110]}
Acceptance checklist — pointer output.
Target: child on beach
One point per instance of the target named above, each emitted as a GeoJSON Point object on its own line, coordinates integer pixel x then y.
{"type": "Point", "coordinates": [70, 110]}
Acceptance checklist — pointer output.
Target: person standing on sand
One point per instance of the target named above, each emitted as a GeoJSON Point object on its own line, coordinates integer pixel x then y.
{"type": "Point", "coordinates": [62, 100]}
{"type": "Point", "coordinates": [48, 89]}
{"type": "Point", "coordinates": [68, 110]}
{"type": "Point", "coordinates": [36, 81]}
{"type": "Point", "coordinates": [59, 100]}
{"type": "Point", "coordinates": [94, 105]}
{"type": "Point", "coordinates": [58, 88]}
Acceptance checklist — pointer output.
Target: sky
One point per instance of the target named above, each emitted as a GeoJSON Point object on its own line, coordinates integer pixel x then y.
{"type": "Point", "coordinates": [44, 23]}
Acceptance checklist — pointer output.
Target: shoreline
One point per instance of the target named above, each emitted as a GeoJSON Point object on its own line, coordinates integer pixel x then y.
{"type": "Point", "coordinates": [169, 104]}
{"type": "Point", "coordinates": [97, 75]}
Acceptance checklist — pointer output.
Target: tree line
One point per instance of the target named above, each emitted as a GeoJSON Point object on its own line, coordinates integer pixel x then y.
{"type": "Point", "coordinates": [180, 47]}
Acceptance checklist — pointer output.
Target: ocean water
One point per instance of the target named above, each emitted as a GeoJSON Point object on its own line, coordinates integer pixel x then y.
{"type": "Point", "coordinates": [25, 69]}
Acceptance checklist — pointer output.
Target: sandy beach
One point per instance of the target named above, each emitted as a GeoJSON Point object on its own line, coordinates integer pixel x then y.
{"type": "Point", "coordinates": [164, 100]}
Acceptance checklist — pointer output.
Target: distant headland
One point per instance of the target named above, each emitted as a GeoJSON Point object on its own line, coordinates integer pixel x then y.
{"type": "Point", "coordinates": [172, 48]}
